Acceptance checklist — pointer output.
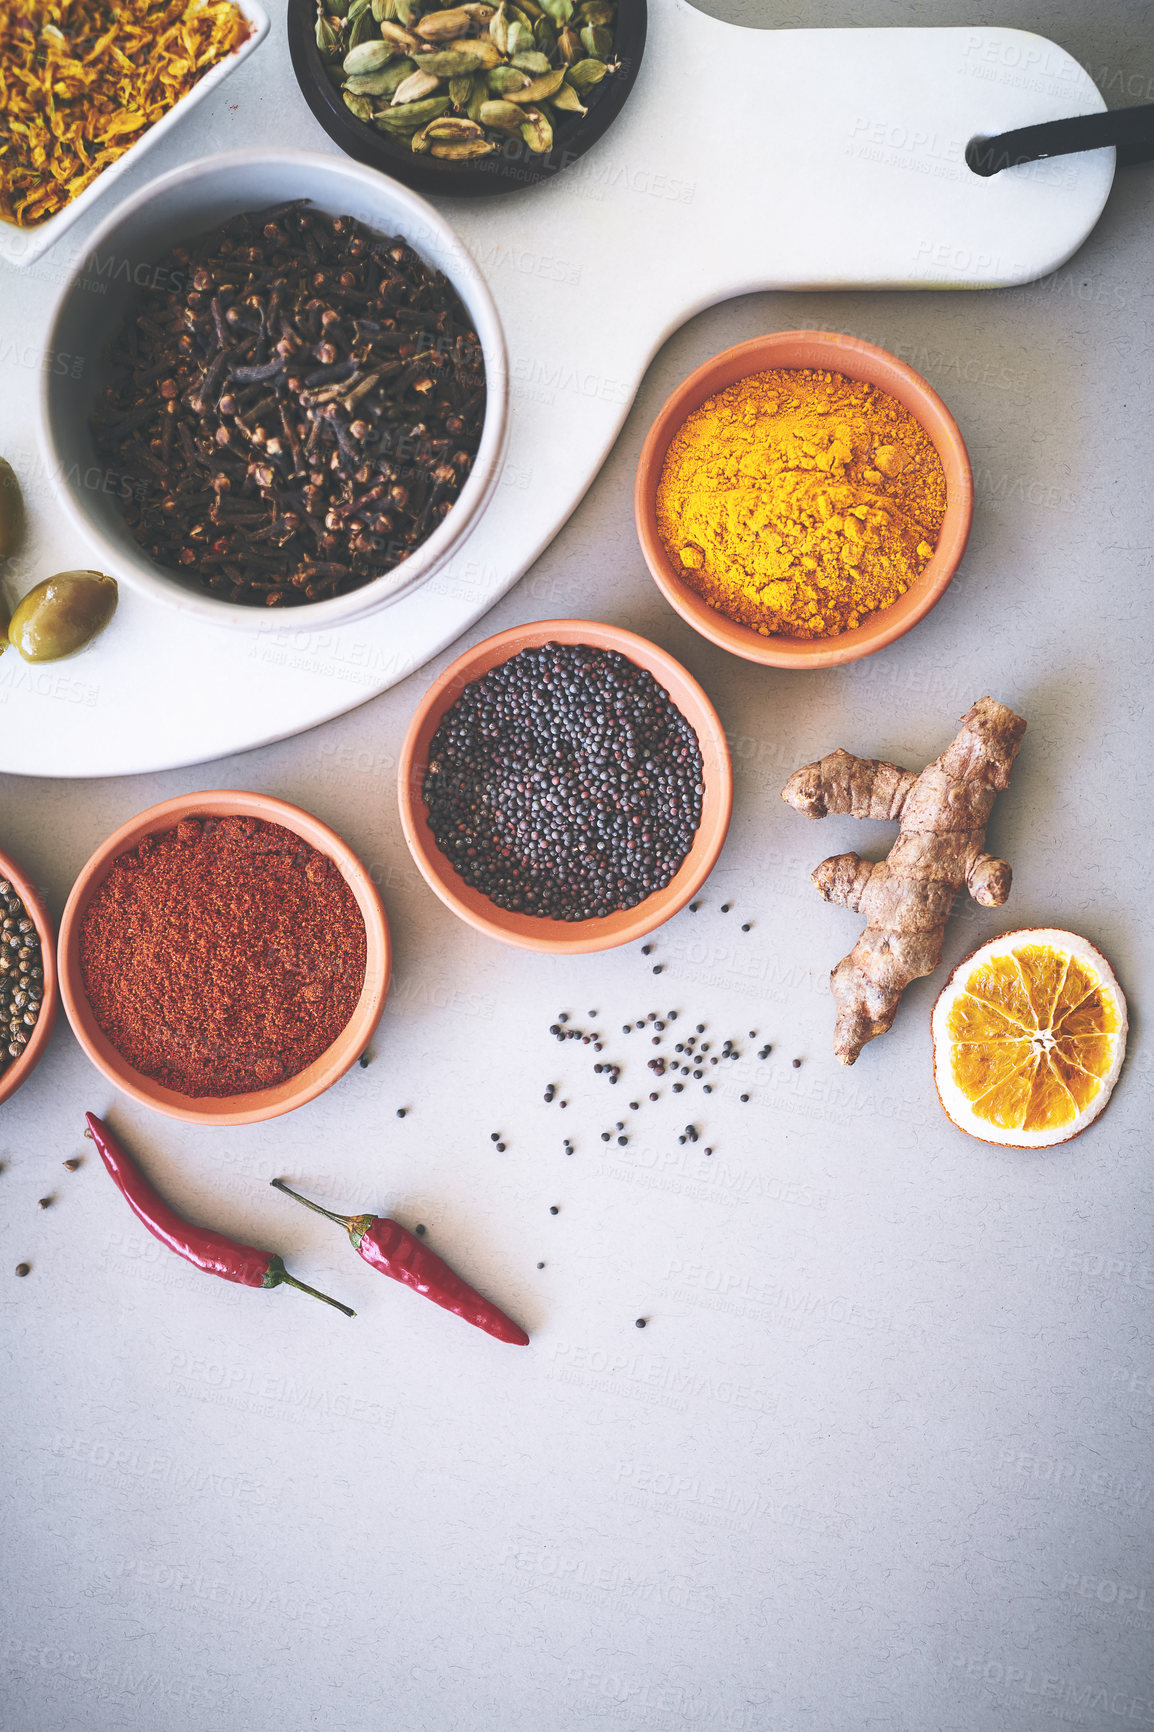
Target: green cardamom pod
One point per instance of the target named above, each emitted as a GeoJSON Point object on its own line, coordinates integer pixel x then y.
{"type": "Point", "coordinates": [465, 150]}
{"type": "Point", "coordinates": [361, 106]}
{"type": "Point", "coordinates": [460, 89]}
{"type": "Point", "coordinates": [504, 80]}
{"type": "Point", "coordinates": [443, 26]}
{"type": "Point", "coordinates": [415, 88]}
{"type": "Point", "coordinates": [504, 116]}
{"type": "Point", "coordinates": [478, 92]}
{"type": "Point", "coordinates": [519, 39]}
{"type": "Point", "coordinates": [537, 132]}
{"type": "Point", "coordinates": [453, 127]}
{"type": "Point", "coordinates": [368, 57]}
{"type": "Point", "coordinates": [586, 73]}
{"type": "Point", "coordinates": [382, 83]}
{"type": "Point", "coordinates": [337, 8]}
{"type": "Point", "coordinates": [363, 29]}
{"type": "Point", "coordinates": [545, 36]}
{"type": "Point", "coordinates": [404, 39]}
{"type": "Point", "coordinates": [410, 114]}
{"type": "Point", "coordinates": [470, 55]}
{"type": "Point", "coordinates": [560, 11]}
{"type": "Point", "coordinates": [328, 41]}
{"type": "Point", "coordinates": [384, 10]}
{"type": "Point", "coordinates": [597, 12]}
{"type": "Point", "coordinates": [533, 63]}
{"type": "Point", "coordinates": [567, 99]}
{"type": "Point", "coordinates": [597, 41]}
{"type": "Point", "coordinates": [499, 30]}
{"type": "Point", "coordinates": [540, 89]}
{"type": "Point", "coordinates": [355, 10]}
{"type": "Point", "coordinates": [569, 46]}
{"type": "Point", "coordinates": [406, 11]}
{"type": "Point", "coordinates": [420, 141]}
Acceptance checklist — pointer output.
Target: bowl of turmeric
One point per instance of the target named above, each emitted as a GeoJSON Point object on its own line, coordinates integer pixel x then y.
{"type": "Point", "coordinates": [803, 499]}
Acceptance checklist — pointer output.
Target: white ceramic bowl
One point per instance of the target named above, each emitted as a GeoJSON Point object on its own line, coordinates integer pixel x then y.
{"type": "Point", "coordinates": [22, 246]}
{"type": "Point", "coordinates": [191, 201]}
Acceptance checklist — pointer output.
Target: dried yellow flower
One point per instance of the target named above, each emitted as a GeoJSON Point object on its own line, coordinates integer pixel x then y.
{"type": "Point", "coordinates": [80, 80]}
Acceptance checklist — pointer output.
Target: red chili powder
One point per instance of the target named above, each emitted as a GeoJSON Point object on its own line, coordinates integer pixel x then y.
{"type": "Point", "coordinates": [222, 956]}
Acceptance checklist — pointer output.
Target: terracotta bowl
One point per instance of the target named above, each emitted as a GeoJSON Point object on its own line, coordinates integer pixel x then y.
{"type": "Point", "coordinates": [831, 352]}
{"type": "Point", "coordinates": [18, 1072]}
{"type": "Point", "coordinates": [244, 1109]}
{"type": "Point", "coordinates": [532, 932]}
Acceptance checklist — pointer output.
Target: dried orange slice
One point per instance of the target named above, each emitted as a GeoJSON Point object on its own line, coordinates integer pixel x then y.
{"type": "Point", "coordinates": [1029, 1036]}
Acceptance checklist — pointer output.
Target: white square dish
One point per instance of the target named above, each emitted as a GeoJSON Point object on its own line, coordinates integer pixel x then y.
{"type": "Point", "coordinates": [20, 246]}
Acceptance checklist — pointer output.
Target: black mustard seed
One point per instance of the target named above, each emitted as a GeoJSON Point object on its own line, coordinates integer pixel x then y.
{"type": "Point", "coordinates": [565, 784]}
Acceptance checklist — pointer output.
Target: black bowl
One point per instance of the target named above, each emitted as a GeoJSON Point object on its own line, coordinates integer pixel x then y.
{"type": "Point", "coordinates": [514, 167]}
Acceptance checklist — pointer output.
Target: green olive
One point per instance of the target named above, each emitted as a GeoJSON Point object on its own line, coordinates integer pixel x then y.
{"type": "Point", "coordinates": [11, 510]}
{"type": "Point", "coordinates": [62, 614]}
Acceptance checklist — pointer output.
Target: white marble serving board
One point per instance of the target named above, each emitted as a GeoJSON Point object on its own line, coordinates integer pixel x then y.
{"type": "Point", "coordinates": [743, 160]}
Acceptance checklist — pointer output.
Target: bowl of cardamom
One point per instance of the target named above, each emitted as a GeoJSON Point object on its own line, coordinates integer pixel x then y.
{"type": "Point", "coordinates": [470, 100]}
{"type": "Point", "coordinates": [804, 499]}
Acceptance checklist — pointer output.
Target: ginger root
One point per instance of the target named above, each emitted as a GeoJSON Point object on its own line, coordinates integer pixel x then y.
{"type": "Point", "coordinates": [907, 897]}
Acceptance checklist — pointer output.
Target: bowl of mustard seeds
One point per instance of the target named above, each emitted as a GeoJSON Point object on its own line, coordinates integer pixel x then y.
{"type": "Point", "coordinates": [803, 499]}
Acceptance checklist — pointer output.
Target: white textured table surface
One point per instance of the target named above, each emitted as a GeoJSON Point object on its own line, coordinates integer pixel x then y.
{"type": "Point", "coordinates": [881, 1458]}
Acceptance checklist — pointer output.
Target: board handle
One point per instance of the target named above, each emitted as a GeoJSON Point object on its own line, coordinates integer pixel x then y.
{"type": "Point", "coordinates": [1129, 130]}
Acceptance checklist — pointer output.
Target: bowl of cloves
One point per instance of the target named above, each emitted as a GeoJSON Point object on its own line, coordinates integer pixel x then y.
{"type": "Point", "coordinates": [287, 389]}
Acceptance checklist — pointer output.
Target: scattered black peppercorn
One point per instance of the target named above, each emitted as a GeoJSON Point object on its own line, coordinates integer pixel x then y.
{"type": "Point", "coordinates": [708, 1089]}
{"type": "Point", "coordinates": [701, 1028]}
{"type": "Point", "coordinates": [500, 1148]}
{"type": "Point", "coordinates": [654, 1097]}
{"type": "Point", "coordinates": [540, 1265]}
{"type": "Point", "coordinates": [660, 968]}
{"type": "Point", "coordinates": [640, 1323]}
{"type": "Point", "coordinates": [363, 1061]}
{"type": "Point", "coordinates": [645, 949]}
{"type": "Point", "coordinates": [554, 1209]}
{"type": "Point", "coordinates": [708, 1151]}
{"type": "Point", "coordinates": [401, 1111]}
{"type": "Point", "coordinates": [726, 906]}
{"type": "Point", "coordinates": [634, 1105]}
{"type": "Point", "coordinates": [746, 926]}
{"type": "Point", "coordinates": [494, 1136]}
{"type": "Point", "coordinates": [622, 1142]}
{"type": "Point", "coordinates": [745, 1097]}
{"type": "Point", "coordinates": [23, 1268]}
{"type": "Point", "coordinates": [605, 1135]}
{"type": "Point", "coordinates": [796, 1063]}
{"type": "Point", "coordinates": [420, 1229]}
{"type": "Point", "coordinates": [677, 1088]}
{"type": "Point", "coordinates": [693, 907]}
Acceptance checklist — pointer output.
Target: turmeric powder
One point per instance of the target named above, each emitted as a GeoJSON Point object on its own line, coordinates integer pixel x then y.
{"type": "Point", "coordinates": [797, 501]}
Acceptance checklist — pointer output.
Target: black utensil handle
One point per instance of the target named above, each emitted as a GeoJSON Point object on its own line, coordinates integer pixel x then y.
{"type": "Point", "coordinates": [1129, 130]}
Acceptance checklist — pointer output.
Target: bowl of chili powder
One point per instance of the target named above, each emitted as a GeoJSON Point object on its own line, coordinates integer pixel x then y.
{"type": "Point", "coordinates": [224, 957]}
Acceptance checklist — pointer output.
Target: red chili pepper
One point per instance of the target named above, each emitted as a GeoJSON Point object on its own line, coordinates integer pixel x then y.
{"type": "Point", "coordinates": [210, 1251]}
{"type": "Point", "coordinates": [393, 1250]}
